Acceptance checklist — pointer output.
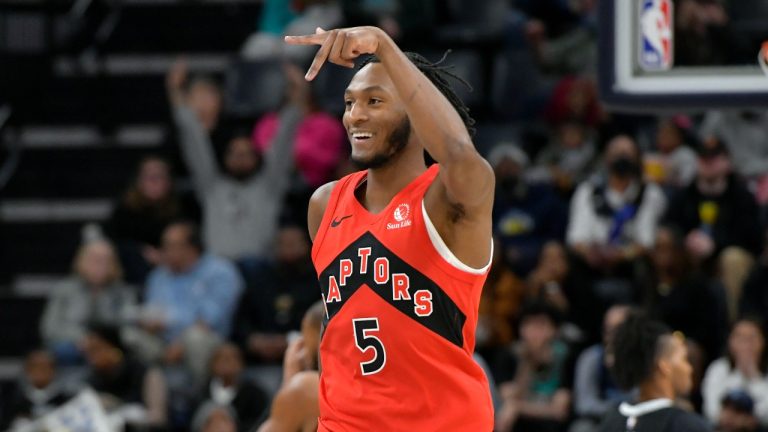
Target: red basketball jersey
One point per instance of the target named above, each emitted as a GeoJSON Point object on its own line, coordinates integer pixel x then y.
{"type": "Point", "coordinates": [396, 351]}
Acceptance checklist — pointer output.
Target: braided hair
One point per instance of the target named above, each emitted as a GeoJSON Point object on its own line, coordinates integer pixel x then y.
{"type": "Point", "coordinates": [438, 73]}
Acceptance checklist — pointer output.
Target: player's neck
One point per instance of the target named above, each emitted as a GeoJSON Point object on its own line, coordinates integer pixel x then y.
{"type": "Point", "coordinates": [382, 184]}
{"type": "Point", "coordinates": [656, 389]}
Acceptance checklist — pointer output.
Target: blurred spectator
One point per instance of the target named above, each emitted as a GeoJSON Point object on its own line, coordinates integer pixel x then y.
{"type": "Point", "coordinates": [556, 282]}
{"type": "Point", "coordinates": [240, 207]}
{"type": "Point", "coordinates": [525, 215]}
{"type": "Point", "coordinates": [614, 218]}
{"type": "Point", "coordinates": [745, 367]}
{"type": "Point", "coordinates": [213, 417]}
{"type": "Point", "coordinates": [561, 34]}
{"type": "Point", "coordinates": [138, 219]}
{"type": "Point", "coordinates": [674, 166]}
{"type": "Point", "coordinates": [319, 139]}
{"type": "Point", "coordinates": [720, 220]}
{"type": "Point", "coordinates": [649, 357]}
{"type": "Point", "coordinates": [682, 298]}
{"type": "Point", "coordinates": [534, 385]}
{"type": "Point", "coordinates": [575, 99]}
{"type": "Point", "coordinates": [281, 18]}
{"type": "Point", "coordinates": [35, 394]}
{"type": "Point", "coordinates": [737, 413]}
{"type": "Point", "coordinates": [278, 293]}
{"type": "Point", "coordinates": [754, 299]}
{"type": "Point", "coordinates": [502, 296]}
{"type": "Point", "coordinates": [703, 35]}
{"type": "Point", "coordinates": [229, 387]}
{"type": "Point", "coordinates": [410, 22]}
{"type": "Point", "coordinates": [594, 392]}
{"type": "Point", "coordinates": [190, 301]}
{"type": "Point", "coordinates": [745, 133]}
{"type": "Point", "coordinates": [95, 293]}
{"type": "Point", "coordinates": [127, 389]}
{"type": "Point", "coordinates": [296, 405]}
{"type": "Point", "coordinates": [569, 157]}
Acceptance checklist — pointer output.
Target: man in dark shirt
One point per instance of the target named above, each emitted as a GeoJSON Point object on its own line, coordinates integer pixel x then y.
{"type": "Point", "coordinates": [647, 355]}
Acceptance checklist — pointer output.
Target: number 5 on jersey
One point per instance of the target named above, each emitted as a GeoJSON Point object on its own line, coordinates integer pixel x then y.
{"type": "Point", "coordinates": [365, 340]}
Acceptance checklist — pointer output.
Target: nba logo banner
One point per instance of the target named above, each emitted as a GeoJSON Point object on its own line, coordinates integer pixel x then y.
{"type": "Point", "coordinates": [656, 35]}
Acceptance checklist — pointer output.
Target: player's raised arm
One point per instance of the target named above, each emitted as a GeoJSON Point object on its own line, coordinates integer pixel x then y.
{"type": "Point", "coordinates": [467, 176]}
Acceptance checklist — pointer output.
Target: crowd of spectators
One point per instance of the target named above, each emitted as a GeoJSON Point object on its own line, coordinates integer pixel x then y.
{"type": "Point", "coordinates": [186, 292]}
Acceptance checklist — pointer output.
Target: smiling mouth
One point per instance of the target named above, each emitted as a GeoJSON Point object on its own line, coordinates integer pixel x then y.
{"type": "Point", "coordinates": [361, 137]}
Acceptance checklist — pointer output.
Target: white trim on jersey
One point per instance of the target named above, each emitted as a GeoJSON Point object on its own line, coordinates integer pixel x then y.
{"type": "Point", "coordinates": [445, 252]}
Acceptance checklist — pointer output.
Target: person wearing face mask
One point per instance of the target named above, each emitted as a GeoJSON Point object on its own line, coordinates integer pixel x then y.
{"type": "Point", "coordinates": [719, 217]}
{"type": "Point", "coordinates": [525, 215]}
{"type": "Point", "coordinates": [613, 218]}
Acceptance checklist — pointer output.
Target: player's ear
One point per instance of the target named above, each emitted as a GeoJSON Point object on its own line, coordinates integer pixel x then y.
{"type": "Point", "coordinates": [664, 367]}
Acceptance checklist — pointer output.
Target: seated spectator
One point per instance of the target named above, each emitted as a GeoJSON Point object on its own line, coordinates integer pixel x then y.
{"type": "Point", "coordinates": [296, 406]}
{"type": "Point", "coordinates": [569, 157]}
{"type": "Point", "coordinates": [649, 357]}
{"type": "Point", "coordinates": [674, 166]}
{"type": "Point", "coordinates": [212, 417]}
{"type": "Point", "coordinates": [682, 298]}
{"type": "Point", "coordinates": [242, 205]}
{"type": "Point", "coordinates": [745, 133]}
{"type": "Point", "coordinates": [534, 383]}
{"type": "Point", "coordinates": [719, 218]}
{"type": "Point", "coordinates": [594, 391]}
{"type": "Point", "coordinates": [190, 301]}
{"type": "Point", "coordinates": [126, 388]}
{"type": "Point", "coordinates": [501, 299]}
{"type": "Point", "coordinates": [229, 387]}
{"type": "Point", "coordinates": [737, 413]}
{"type": "Point", "coordinates": [278, 293]}
{"type": "Point", "coordinates": [35, 394]}
{"type": "Point", "coordinates": [745, 367]}
{"type": "Point", "coordinates": [95, 293]}
{"type": "Point", "coordinates": [525, 215]}
{"type": "Point", "coordinates": [556, 282]}
{"type": "Point", "coordinates": [319, 139]}
{"type": "Point", "coordinates": [138, 219]}
{"type": "Point", "coordinates": [614, 218]}
{"type": "Point", "coordinates": [754, 299]}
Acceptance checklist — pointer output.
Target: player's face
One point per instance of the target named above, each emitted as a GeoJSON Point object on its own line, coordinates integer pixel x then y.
{"type": "Point", "coordinates": [679, 368]}
{"type": "Point", "coordinates": [375, 118]}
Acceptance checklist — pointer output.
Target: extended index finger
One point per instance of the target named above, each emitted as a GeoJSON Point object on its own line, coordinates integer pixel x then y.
{"type": "Point", "coordinates": [313, 39]}
{"type": "Point", "coordinates": [322, 55]}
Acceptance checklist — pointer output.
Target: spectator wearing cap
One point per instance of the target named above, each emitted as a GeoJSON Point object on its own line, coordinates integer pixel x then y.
{"type": "Point", "coordinates": [737, 413]}
{"type": "Point", "coordinates": [746, 135]}
{"type": "Point", "coordinates": [525, 214]}
{"type": "Point", "coordinates": [719, 218]}
{"type": "Point", "coordinates": [745, 368]}
{"type": "Point", "coordinates": [534, 375]}
{"type": "Point", "coordinates": [614, 216]}
{"type": "Point", "coordinates": [126, 388]}
{"type": "Point", "coordinates": [674, 165]}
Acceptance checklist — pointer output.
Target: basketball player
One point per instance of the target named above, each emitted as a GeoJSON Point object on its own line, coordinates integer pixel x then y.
{"type": "Point", "coordinates": [295, 408]}
{"type": "Point", "coordinates": [653, 359]}
{"type": "Point", "coordinates": [401, 250]}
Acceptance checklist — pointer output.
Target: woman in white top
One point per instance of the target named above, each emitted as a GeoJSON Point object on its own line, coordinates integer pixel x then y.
{"type": "Point", "coordinates": [744, 367]}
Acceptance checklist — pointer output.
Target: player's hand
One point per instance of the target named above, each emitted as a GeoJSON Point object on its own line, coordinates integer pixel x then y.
{"type": "Point", "coordinates": [339, 46]}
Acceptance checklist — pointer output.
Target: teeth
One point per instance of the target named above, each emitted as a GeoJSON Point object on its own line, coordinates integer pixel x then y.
{"type": "Point", "coordinates": [359, 135]}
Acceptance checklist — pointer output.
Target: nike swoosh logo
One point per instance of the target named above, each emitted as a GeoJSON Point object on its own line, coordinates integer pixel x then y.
{"type": "Point", "coordinates": [336, 222]}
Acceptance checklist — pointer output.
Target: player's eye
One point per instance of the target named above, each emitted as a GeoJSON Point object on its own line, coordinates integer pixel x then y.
{"type": "Point", "coordinates": [374, 101]}
{"type": "Point", "coordinates": [348, 103]}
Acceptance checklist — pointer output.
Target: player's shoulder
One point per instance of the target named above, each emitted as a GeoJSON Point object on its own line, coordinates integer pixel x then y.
{"type": "Point", "coordinates": [322, 195]}
{"type": "Point", "coordinates": [301, 388]}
